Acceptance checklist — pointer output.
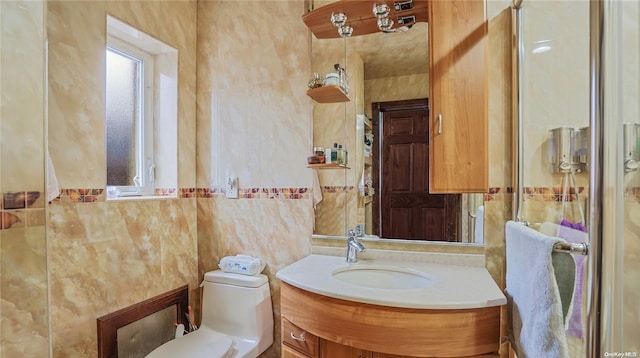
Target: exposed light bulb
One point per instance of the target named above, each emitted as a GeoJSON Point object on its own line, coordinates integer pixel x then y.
{"type": "Point", "coordinates": [338, 19]}
{"type": "Point", "coordinates": [381, 11]}
{"type": "Point", "coordinates": [345, 31]}
{"type": "Point", "coordinates": [385, 24]}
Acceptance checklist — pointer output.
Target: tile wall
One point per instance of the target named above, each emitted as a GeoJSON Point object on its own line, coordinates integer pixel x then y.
{"type": "Point", "coordinates": [23, 263]}
{"type": "Point", "coordinates": [106, 255]}
{"type": "Point", "coordinates": [254, 122]}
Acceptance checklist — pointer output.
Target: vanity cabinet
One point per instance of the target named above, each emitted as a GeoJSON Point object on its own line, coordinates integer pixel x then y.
{"type": "Point", "coordinates": [335, 328]}
{"type": "Point", "coordinates": [458, 86]}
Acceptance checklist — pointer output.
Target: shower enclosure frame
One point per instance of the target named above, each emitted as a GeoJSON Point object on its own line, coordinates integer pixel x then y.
{"type": "Point", "coordinates": [603, 176]}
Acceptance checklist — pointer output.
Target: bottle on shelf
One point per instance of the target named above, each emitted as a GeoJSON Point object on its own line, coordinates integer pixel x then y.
{"type": "Point", "coordinates": [343, 155]}
{"type": "Point", "coordinates": [334, 153]}
{"type": "Point", "coordinates": [327, 155]}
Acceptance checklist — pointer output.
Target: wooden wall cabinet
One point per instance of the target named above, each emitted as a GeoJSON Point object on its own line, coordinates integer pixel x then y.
{"type": "Point", "coordinates": [334, 328]}
{"type": "Point", "coordinates": [458, 123]}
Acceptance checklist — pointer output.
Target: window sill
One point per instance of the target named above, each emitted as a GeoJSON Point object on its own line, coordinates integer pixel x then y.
{"type": "Point", "coordinates": [142, 197]}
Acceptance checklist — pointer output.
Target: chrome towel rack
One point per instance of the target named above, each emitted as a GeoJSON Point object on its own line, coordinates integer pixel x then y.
{"type": "Point", "coordinates": [581, 248]}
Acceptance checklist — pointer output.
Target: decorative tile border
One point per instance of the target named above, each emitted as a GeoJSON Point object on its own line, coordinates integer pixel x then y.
{"type": "Point", "coordinates": [26, 208]}
{"type": "Point", "coordinates": [552, 194]}
{"type": "Point", "coordinates": [258, 193]}
{"type": "Point", "coordinates": [496, 193]}
{"type": "Point", "coordinates": [337, 189]}
{"type": "Point", "coordinates": [21, 209]}
{"type": "Point", "coordinates": [80, 196]}
{"type": "Point", "coordinates": [633, 192]}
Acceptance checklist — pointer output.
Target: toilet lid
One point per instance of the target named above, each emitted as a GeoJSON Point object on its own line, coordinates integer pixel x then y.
{"type": "Point", "coordinates": [202, 343]}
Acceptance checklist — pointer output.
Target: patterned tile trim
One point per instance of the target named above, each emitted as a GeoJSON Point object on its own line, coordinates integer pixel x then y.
{"type": "Point", "coordinates": [21, 209]}
{"type": "Point", "coordinates": [258, 193]}
{"type": "Point", "coordinates": [538, 193]}
{"type": "Point", "coordinates": [553, 194]}
{"type": "Point", "coordinates": [337, 189]}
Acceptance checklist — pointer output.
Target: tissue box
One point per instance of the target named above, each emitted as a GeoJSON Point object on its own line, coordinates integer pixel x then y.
{"type": "Point", "coordinates": [242, 264]}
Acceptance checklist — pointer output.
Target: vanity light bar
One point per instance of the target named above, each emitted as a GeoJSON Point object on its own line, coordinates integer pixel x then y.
{"type": "Point", "coordinates": [402, 6]}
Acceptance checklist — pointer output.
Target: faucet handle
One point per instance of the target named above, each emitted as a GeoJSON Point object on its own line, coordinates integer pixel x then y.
{"type": "Point", "coordinates": [351, 233]}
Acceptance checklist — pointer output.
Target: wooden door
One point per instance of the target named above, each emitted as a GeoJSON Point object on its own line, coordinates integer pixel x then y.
{"type": "Point", "coordinates": [406, 209]}
{"type": "Point", "coordinates": [458, 97]}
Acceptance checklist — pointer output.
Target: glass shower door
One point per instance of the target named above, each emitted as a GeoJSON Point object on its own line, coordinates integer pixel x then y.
{"type": "Point", "coordinates": [620, 283]}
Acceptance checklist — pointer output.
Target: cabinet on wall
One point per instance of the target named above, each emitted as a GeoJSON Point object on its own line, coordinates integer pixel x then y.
{"type": "Point", "coordinates": [317, 326]}
{"type": "Point", "coordinates": [458, 140]}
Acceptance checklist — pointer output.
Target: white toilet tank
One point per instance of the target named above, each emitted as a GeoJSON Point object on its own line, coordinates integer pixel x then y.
{"type": "Point", "coordinates": [238, 305]}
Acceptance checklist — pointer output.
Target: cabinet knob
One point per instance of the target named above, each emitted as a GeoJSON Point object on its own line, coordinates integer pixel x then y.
{"type": "Point", "coordinates": [439, 123]}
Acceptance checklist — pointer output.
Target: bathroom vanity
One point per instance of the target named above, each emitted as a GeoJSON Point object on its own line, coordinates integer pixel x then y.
{"type": "Point", "coordinates": [377, 308]}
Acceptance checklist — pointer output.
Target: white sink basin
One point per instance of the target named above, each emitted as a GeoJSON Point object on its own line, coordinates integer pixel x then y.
{"type": "Point", "coordinates": [385, 277]}
{"type": "Point", "coordinates": [395, 283]}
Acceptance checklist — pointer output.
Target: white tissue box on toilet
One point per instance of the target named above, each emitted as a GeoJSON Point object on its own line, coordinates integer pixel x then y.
{"type": "Point", "coordinates": [242, 264]}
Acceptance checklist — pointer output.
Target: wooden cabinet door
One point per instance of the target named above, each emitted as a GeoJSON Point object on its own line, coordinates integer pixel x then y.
{"type": "Point", "coordinates": [458, 124]}
{"type": "Point", "coordinates": [385, 355]}
{"type": "Point", "coordinates": [291, 353]}
{"type": "Point", "coordinates": [330, 349]}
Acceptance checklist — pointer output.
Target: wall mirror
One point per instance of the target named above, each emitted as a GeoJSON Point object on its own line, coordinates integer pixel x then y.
{"type": "Point", "coordinates": [384, 70]}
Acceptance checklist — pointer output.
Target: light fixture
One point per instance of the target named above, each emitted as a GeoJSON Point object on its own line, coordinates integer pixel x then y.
{"type": "Point", "coordinates": [339, 20]}
{"type": "Point", "coordinates": [402, 6]}
{"type": "Point", "coordinates": [406, 20]}
{"type": "Point", "coordinates": [381, 11]}
{"type": "Point", "coordinates": [345, 31]}
{"type": "Point", "coordinates": [385, 24]}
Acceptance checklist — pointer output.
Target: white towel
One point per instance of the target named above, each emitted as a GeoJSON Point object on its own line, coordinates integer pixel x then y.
{"type": "Point", "coordinates": [534, 298]}
{"type": "Point", "coordinates": [479, 228]}
{"type": "Point", "coordinates": [53, 190]}
{"type": "Point", "coordinates": [316, 191]}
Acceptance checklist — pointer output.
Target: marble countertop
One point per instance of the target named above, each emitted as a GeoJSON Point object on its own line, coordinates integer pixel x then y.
{"type": "Point", "coordinates": [454, 287]}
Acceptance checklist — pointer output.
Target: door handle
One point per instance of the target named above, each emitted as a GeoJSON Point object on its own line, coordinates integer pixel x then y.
{"type": "Point", "coordinates": [439, 124]}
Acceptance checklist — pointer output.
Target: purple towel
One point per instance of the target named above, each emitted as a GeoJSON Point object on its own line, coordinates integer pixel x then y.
{"type": "Point", "coordinates": [575, 235]}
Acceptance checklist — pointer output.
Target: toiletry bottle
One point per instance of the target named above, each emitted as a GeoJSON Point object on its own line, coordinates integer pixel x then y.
{"type": "Point", "coordinates": [340, 154]}
{"type": "Point", "coordinates": [334, 153]}
{"type": "Point", "coordinates": [327, 156]}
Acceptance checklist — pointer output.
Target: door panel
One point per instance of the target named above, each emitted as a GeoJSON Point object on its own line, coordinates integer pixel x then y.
{"type": "Point", "coordinates": [407, 210]}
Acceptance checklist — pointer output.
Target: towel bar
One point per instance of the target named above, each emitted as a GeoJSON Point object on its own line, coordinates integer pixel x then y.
{"type": "Point", "coordinates": [581, 248]}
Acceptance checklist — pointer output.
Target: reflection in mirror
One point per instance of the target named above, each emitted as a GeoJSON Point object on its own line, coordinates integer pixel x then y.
{"type": "Point", "coordinates": [384, 70]}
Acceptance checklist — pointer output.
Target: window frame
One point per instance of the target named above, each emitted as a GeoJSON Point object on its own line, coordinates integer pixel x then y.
{"type": "Point", "coordinates": [145, 167]}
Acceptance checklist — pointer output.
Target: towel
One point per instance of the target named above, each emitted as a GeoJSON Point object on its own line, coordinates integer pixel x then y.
{"type": "Point", "coordinates": [575, 319]}
{"type": "Point", "coordinates": [316, 191]}
{"type": "Point", "coordinates": [479, 229]}
{"type": "Point", "coordinates": [534, 274]}
{"type": "Point", "coordinates": [53, 190]}
{"type": "Point", "coordinates": [575, 326]}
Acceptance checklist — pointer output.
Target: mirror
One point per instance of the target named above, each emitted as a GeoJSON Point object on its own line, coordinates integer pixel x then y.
{"type": "Point", "coordinates": [383, 69]}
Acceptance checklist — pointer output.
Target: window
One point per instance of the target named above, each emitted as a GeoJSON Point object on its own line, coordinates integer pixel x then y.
{"type": "Point", "coordinates": [141, 112]}
{"type": "Point", "coordinates": [129, 119]}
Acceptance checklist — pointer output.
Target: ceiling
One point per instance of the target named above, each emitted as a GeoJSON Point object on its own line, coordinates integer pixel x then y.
{"type": "Point", "coordinates": [393, 54]}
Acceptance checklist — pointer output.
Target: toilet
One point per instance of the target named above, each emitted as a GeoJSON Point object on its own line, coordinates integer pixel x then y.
{"type": "Point", "coordinates": [237, 320]}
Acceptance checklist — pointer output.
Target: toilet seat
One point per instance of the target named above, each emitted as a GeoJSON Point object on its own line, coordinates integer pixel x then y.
{"type": "Point", "coordinates": [203, 343]}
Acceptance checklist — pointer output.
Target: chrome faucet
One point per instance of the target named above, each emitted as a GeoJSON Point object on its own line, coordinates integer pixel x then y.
{"type": "Point", "coordinates": [353, 245]}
